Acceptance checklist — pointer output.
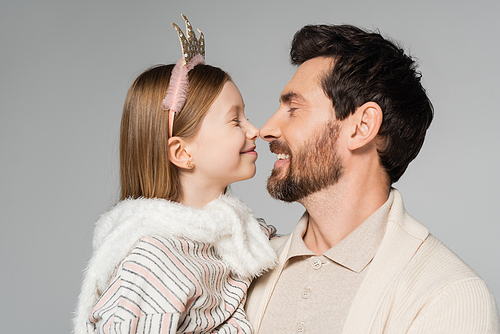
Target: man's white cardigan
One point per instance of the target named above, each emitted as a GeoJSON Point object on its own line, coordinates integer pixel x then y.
{"type": "Point", "coordinates": [415, 285]}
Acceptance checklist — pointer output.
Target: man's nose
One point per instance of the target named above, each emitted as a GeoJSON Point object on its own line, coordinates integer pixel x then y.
{"type": "Point", "coordinates": [270, 131]}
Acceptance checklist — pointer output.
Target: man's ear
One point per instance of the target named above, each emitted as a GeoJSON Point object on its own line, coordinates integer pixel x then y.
{"type": "Point", "coordinates": [178, 153]}
{"type": "Point", "coordinates": [365, 124]}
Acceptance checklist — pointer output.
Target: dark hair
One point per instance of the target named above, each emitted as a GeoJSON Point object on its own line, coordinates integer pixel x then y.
{"type": "Point", "coordinates": [368, 67]}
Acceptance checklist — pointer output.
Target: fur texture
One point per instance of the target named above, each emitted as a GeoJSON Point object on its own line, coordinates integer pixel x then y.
{"type": "Point", "coordinates": [178, 88]}
{"type": "Point", "coordinates": [226, 223]}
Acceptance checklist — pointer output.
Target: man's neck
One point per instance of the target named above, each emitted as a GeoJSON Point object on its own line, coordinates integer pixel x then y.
{"type": "Point", "coordinates": [337, 211]}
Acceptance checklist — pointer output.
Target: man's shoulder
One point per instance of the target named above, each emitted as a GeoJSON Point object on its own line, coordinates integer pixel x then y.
{"type": "Point", "coordinates": [435, 261]}
{"type": "Point", "coordinates": [437, 287]}
{"type": "Point", "coordinates": [430, 259]}
{"type": "Point", "coordinates": [434, 272]}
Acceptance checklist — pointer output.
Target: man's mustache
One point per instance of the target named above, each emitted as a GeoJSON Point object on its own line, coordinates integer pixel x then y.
{"type": "Point", "coordinates": [277, 146]}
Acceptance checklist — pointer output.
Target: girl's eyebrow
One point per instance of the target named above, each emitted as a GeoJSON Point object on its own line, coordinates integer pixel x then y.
{"type": "Point", "coordinates": [235, 108]}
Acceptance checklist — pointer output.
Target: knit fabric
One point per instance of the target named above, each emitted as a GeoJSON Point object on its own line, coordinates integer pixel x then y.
{"type": "Point", "coordinates": [415, 285]}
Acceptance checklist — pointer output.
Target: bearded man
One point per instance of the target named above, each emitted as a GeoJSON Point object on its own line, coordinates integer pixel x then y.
{"type": "Point", "coordinates": [351, 119]}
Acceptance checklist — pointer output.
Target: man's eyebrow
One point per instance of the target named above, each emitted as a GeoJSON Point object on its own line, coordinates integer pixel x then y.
{"type": "Point", "coordinates": [285, 98]}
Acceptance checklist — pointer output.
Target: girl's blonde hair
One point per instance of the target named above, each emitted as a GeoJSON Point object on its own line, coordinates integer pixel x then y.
{"type": "Point", "coordinates": [145, 167]}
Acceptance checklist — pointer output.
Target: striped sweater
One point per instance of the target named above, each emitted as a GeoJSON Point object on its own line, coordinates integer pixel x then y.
{"type": "Point", "coordinates": [160, 267]}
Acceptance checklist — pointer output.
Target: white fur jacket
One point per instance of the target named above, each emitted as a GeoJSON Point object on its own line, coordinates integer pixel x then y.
{"type": "Point", "coordinates": [226, 223]}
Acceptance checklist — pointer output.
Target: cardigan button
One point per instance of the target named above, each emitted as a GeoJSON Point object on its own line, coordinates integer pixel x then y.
{"type": "Point", "coordinates": [301, 329]}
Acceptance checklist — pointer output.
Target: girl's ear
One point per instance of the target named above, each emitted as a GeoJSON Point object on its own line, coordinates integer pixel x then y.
{"type": "Point", "coordinates": [365, 125]}
{"type": "Point", "coordinates": [178, 153]}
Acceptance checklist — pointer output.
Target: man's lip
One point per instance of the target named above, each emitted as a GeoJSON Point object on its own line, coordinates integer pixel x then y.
{"type": "Point", "coordinates": [279, 163]}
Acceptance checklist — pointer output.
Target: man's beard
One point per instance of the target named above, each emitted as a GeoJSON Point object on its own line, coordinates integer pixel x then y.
{"type": "Point", "coordinates": [315, 167]}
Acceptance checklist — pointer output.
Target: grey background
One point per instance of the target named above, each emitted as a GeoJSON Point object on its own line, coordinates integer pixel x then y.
{"type": "Point", "coordinates": [66, 66]}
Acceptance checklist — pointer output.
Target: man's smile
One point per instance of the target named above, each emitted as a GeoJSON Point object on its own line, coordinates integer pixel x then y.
{"type": "Point", "coordinates": [282, 156]}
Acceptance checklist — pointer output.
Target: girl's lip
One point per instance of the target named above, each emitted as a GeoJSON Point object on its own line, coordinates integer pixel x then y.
{"type": "Point", "coordinates": [250, 150]}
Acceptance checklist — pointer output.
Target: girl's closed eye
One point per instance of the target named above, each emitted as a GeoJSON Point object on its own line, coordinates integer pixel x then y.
{"type": "Point", "coordinates": [237, 121]}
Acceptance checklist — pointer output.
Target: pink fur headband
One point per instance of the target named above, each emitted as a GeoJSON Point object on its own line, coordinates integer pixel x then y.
{"type": "Point", "coordinates": [193, 53]}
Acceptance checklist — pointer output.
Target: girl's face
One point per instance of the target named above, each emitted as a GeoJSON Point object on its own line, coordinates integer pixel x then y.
{"type": "Point", "coordinates": [223, 150]}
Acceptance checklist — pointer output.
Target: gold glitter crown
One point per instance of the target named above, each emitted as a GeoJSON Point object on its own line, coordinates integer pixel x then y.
{"type": "Point", "coordinates": [190, 45]}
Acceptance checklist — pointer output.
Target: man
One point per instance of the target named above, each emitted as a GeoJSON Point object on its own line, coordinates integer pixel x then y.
{"type": "Point", "coordinates": [350, 121]}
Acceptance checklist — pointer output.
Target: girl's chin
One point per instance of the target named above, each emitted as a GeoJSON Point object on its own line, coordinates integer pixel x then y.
{"type": "Point", "coordinates": [247, 176]}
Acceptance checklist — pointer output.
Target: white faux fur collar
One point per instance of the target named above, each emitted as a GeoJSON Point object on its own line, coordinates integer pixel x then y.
{"type": "Point", "coordinates": [226, 223]}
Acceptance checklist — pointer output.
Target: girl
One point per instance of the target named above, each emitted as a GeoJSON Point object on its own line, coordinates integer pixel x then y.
{"type": "Point", "coordinates": [174, 255]}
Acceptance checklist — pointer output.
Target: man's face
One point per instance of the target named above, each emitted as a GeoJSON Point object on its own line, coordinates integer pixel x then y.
{"type": "Point", "coordinates": [303, 133]}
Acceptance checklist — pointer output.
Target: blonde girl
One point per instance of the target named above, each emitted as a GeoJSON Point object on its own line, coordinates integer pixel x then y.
{"type": "Point", "coordinates": [176, 255]}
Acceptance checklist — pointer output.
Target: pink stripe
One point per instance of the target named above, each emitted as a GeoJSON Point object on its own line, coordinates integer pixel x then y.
{"type": "Point", "coordinates": [235, 323]}
{"type": "Point", "coordinates": [165, 323]}
{"type": "Point", "coordinates": [207, 280]}
{"type": "Point", "coordinates": [105, 298]}
{"type": "Point", "coordinates": [133, 328]}
{"type": "Point", "coordinates": [156, 283]}
{"type": "Point", "coordinates": [219, 278]}
{"type": "Point", "coordinates": [236, 283]}
{"type": "Point", "coordinates": [180, 266]}
{"type": "Point", "coordinates": [108, 324]}
{"type": "Point", "coordinates": [220, 272]}
{"type": "Point", "coordinates": [191, 277]}
{"type": "Point", "coordinates": [207, 312]}
{"type": "Point", "coordinates": [131, 307]}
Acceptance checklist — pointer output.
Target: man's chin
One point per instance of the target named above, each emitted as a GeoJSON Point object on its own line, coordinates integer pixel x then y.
{"type": "Point", "coordinates": [280, 189]}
